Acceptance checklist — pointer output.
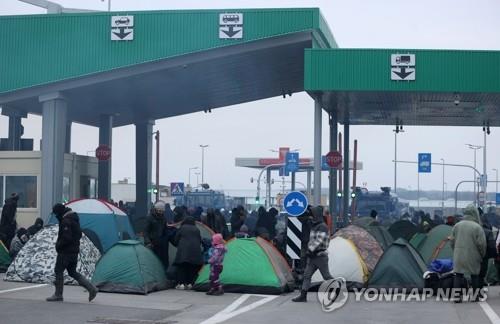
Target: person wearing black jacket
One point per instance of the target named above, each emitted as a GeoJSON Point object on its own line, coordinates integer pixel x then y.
{"type": "Point", "coordinates": [68, 248]}
{"type": "Point", "coordinates": [157, 233]}
{"type": "Point", "coordinates": [8, 224]}
{"type": "Point", "coordinates": [188, 258]}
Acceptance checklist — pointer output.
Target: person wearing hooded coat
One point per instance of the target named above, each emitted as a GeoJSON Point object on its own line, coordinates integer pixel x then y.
{"type": "Point", "coordinates": [35, 228]}
{"type": "Point", "coordinates": [157, 234]}
{"type": "Point", "coordinates": [469, 247]}
{"type": "Point", "coordinates": [8, 224]}
{"type": "Point", "coordinates": [267, 220]}
{"type": "Point", "coordinates": [317, 252]}
{"type": "Point", "coordinates": [68, 248]}
{"type": "Point", "coordinates": [18, 242]}
{"type": "Point", "coordinates": [188, 258]}
{"type": "Point", "coordinates": [215, 221]}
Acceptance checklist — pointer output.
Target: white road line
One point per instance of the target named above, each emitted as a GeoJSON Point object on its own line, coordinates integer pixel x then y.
{"type": "Point", "coordinates": [494, 318]}
{"type": "Point", "coordinates": [229, 311]}
{"type": "Point", "coordinates": [22, 288]}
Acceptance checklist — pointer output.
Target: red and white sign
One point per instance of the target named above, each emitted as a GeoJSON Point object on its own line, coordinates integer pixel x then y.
{"type": "Point", "coordinates": [103, 152]}
{"type": "Point", "coordinates": [334, 159]}
{"type": "Point", "coordinates": [281, 159]}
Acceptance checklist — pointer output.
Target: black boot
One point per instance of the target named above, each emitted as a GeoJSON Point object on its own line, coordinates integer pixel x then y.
{"type": "Point", "coordinates": [302, 298]}
{"type": "Point", "coordinates": [58, 294]}
{"type": "Point", "coordinates": [82, 281]}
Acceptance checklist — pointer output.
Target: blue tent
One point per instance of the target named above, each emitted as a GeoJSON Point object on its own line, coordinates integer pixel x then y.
{"type": "Point", "coordinates": [102, 222]}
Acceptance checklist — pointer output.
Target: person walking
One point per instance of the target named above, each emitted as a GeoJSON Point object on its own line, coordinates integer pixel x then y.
{"type": "Point", "coordinates": [317, 252]}
{"type": "Point", "coordinates": [217, 253]}
{"type": "Point", "coordinates": [8, 224]}
{"type": "Point", "coordinates": [188, 258]}
{"type": "Point", "coordinates": [68, 248]}
{"type": "Point", "coordinates": [469, 247]}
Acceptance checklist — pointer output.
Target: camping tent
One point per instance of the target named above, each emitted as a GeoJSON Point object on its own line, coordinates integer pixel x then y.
{"type": "Point", "coordinates": [379, 232]}
{"type": "Point", "coordinates": [109, 223]}
{"type": "Point", "coordinates": [36, 260]}
{"type": "Point", "coordinates": [436, 244]}
{"type": "Point", "coordinates": [4, 257]}
{"type": "Point", "coordinates": [251, 266]}
{"type": "Point", "coordinates": [129, 267]}
{"type": "Point", "coordinates": [344, 261]}
{"type": "Point", "coordinates": [401, 266]}
{"type": "Point", "coordinates": [403, 229]}
{"type": "Point", "coordinates": [367, 246]}
{"type": "Point", "coordinates": [205, 231]}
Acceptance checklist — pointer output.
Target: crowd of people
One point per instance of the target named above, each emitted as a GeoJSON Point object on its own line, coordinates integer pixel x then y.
{"type": "Point", "coordinates": [473, 241]}
{"type": "Point", "coordinates": [162, 229]}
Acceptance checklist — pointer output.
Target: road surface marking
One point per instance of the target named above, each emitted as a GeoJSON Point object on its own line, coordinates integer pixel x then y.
{"type": "Point", "coordinates": [494, 318]}
{"type": "Point", "coordinates": [22, 288]}
{"type": "Point", "coordinates": [229, 311]}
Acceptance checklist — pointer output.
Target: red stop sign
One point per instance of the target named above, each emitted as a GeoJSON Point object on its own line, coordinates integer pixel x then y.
{"type": "Point", "coordinates": [334, 159]}
{"type": "Point", "coordinates": [103, 152]}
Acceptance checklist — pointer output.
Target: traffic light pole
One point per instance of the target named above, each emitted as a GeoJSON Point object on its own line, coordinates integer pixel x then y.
{"type": "Point", "coordinates": [157, 137]}
{"type": "Point", "coordinates": [332, 188]}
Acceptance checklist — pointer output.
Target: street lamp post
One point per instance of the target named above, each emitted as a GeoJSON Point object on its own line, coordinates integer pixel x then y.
{"type": "Point", "coordinates": [399, 129]}
{"type": "Point", "coordinates": [475, 148]}
{"type": "Point", "coordinates": [442, 198]}
{"type": "Point", "coordinates": [193, 168]}
{"type": "Point", "coordinates": [496, 180]}
{"type": "Point", "coordinates": [203, 147]}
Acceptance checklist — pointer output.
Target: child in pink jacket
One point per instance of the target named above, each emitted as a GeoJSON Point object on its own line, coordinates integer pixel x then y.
{"type": "Point", "coordinates": [217, 252]}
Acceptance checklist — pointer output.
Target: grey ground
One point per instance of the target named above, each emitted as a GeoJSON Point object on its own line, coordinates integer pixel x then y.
{"type": "Point", "coordinates": [171, 306]}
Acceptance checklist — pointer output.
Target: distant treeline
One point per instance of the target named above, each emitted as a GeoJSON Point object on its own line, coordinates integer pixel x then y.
{"type": "Point", "coordinates": [437, 195]}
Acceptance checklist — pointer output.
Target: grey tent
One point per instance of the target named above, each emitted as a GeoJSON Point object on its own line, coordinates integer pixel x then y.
{"type": "Point", "coordinates": [401, 266]}
{"type": "Point", "coordinates": [36, 261]}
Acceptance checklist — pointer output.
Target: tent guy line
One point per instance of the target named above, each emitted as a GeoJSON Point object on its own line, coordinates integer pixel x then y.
{"type": "Point", "coordinates": [22, 288]}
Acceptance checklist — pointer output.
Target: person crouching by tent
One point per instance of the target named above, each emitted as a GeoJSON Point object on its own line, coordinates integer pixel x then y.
{"type": "Point", "coordinates": [68, 248]}
{"type": "Point", "coordinates": [469, 246]}
{"type": "Point", "coordinates": [217, 253]}
{"type": "Point", "coordinates": [35, 228]}
{"type": "Point", "coordinates": [188, 258]}
{"type": "Point", "coordinates": [18, 242]}
{"type": "Point", "coordinates": [317, 252]}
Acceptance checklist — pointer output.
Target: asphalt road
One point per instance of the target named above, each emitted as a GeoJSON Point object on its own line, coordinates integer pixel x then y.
{"type": "Point", "coordinates": [22, 303]}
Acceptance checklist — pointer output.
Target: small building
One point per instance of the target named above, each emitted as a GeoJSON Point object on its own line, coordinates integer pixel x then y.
{"type": "Point", "coordinates": [21, 171]}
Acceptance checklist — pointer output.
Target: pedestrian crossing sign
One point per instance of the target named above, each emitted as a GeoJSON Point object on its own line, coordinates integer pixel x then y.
{"type": "Point", "coordinates": [177, 188]}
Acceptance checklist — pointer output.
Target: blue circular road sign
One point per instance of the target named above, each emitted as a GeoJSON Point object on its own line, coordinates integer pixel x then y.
{"type": "Point", "coordinates": [295, 203]}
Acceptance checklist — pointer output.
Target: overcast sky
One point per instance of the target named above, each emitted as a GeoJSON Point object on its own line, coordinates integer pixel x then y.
{"type": "Point", "coordinates": [253, 129]}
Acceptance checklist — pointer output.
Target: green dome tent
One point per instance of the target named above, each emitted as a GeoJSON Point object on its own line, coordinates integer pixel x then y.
{"type": "Point", "coordinates": [129, 267]}
{"type": "Point", "coordinates": [4, 257]}
{"type": "Point", "coordinates": [403, 229]}
{"type": "Point", "coordinates": [436, 244]}
{"type": "Point", "coordinates": [400, 267]}
{"type": "Point", "coordinates": [251, 266]}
